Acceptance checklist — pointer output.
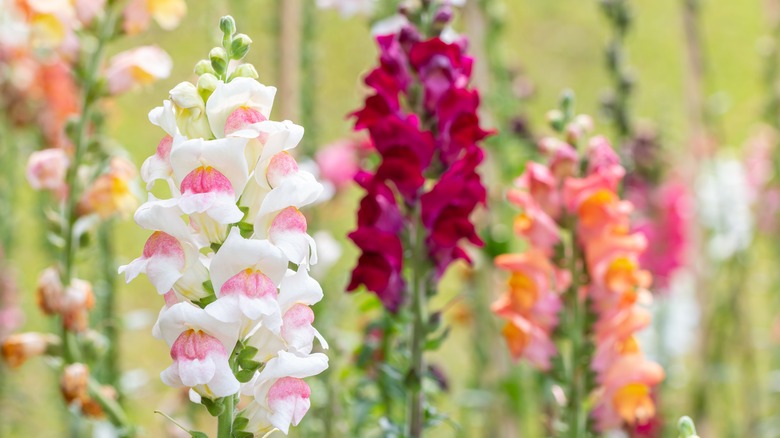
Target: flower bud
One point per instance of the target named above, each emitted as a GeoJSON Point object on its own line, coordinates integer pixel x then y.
{"type": "Point", "coordinates": [73, 383]}
{"type": "Point", "coordinates": [227, 25]}
{"type": "Point", "coordinates": [219, 59]}
{"type": "Point", "coordinates": [78, 301]}
{"type": "Point", "coordinates": [245, 71]}
{"type": "Point", "coordinates": [556, 120]}
{"type": "Point", "coordinates": [207, 83]}
{"type": "Point", "coordinates": [50, 291]}
{"type": "Point", "coordinates": [204, 66]}
{"type": "Point", "coordinates": [190, 111]}
{"type": "Point", "coordinates": [239, 46]}
{"type": "Point", "coordinates": [18, 348]}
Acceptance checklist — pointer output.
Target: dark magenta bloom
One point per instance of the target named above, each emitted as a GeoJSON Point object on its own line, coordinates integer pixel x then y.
{"type": "Point", "coordinates": [428, 160]}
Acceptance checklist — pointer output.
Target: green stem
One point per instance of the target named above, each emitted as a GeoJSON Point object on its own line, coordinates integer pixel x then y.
{"type": "Point", "coordinates": [108, 317]}
{"type": "Point", "coordinates": [88, 100]}
{"type": "Point", "coordinates": [418, 332]}
{"type": "Point", "coordinates": [225, 419]}
{"type": "Point", "coordinates": [576, 373]}
{"type": "Point", "coordinates": [111, 408]}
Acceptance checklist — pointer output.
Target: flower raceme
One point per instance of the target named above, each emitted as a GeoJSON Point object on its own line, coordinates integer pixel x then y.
{"type": "Point", "coordinates": [237, 318]}
{"type": "Point", "coordinates": [555, 199]}
{"type": "Point", "coordinates": [428, 160]}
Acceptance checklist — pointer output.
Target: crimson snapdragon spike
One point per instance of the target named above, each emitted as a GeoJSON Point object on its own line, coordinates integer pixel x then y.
{"type": "Point", "coordinates": [415, 218]}
{"type": "Point", "coordinates": [423, 122]}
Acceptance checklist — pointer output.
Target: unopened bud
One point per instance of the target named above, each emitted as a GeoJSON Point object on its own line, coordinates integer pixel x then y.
{"type": "Point", "coordinates": [219, 60]}
{"type": "Point", "coordinates": [227, 25]}
{"type": "Point", "coordinates": [18, 348]}
{"type": "Point", "coordinates": [245, 71]}
{"type": "Point", "coordinates": [207, 82]}
{"type": "Point", "coordinates": [73, 382]}
{"type": "Point", "coordinates": [556, 120]}
{"type": "Point", "coordinates": [79, 300]}
{"type": "Point", "coordinates": [50, 291]}
{"type": "Point", "coordinates": [239, 46]}
{"type": "Point", "coordinates": [204, 66]}
{"type": "Point", "coordinates": [443, 16]}
{"type": "Point", "coordinates": [686, 428]}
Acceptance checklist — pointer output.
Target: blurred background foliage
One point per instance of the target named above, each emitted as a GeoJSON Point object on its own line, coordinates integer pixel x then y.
{"type": "Point", "coordinates": [553, 45]}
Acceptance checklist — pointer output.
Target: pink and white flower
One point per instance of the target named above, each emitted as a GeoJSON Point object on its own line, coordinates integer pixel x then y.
{"type": "Point", "coordinates": [200, 348]}
{"type": "Point", "coordinates": [137, 67]}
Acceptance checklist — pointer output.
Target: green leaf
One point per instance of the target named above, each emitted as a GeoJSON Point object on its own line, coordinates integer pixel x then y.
{"type": "Point", "coordinates": [242, 434]}
{"type": "Point", "coordinates": [197, 434]}
{"type": "Point", "coordinates": [435, 342]}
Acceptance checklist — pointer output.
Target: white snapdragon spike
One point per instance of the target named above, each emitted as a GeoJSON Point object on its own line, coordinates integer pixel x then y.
{"type": "Point", "coordinates": [245, 274]}
{"type": "Point", "coordinates": [158, 166]}
{"type": "Point", "coordinates": [228, 169]}
{"type": "Point", "coordinates": [244, 93]}
{"type": "Point", "coordinates": [200, 349]}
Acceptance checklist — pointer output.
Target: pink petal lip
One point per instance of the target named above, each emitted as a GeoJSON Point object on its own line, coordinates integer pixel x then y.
{"type": "Point", "coordinates": [206, 179]}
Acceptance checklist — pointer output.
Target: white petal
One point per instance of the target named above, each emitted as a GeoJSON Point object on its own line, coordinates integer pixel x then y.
{"type": "Point", "coordinates": [291, 365]}
{"type": "Point", "coordinates": [224, 382]}
{"type": "Point", "coordinates": [299, 287]}
{"type": "Point", "coordinates": [238, 92]}
{"type": "Point", "coordinates": [197, 372]}
{"type": "Point", "coordinates": [226, 155]}
{"type": "Point", "coordinates": [296, 190]}
{"type": "Point", "coordinates": [238, 253]}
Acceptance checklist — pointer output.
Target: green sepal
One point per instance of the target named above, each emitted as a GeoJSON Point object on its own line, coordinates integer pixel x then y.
{"type": "Point", "coordinates": [239, 424]}
{"type": "Point", "coordinates": [215, 407]}
{"type": "Point", "coordinates": [242, 434]}
{"type": "Point", "coordinates": [244, 376]}
{"type": "Point", "coordinates": [247, 353]}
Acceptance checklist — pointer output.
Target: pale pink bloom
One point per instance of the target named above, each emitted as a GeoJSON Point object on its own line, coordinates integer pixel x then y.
{"type": "Point", "coordinates": [281, 397]}
{"type": "Point", "coordinates": [288, 185]}
{"type": "Point", "coordinates": [543, 188]}
{"type": "Point", "coordinates": [286, 229]}
{"type": "Point", "coordinates": [76, 303]}
{"type": "Point", "coordinates": [666, 228]}
{"type": "Point", "coordinates": [112, 192]}
{"type": "Point", "coordinates": [167, 13]}
{"type": "Point", "coordinates": [200, 349]}
{"type": "Point", "coordinates": [238, 93]}
{"type": "Point", "coordinates": [137, 67]}
{"type": "Point", "coordinates": [601, 156]}
{"type": "Point", "coordinates": [171, 257]}
{"type": "Point", "coordinates": [46, 169]}
{"type": "Point", "coordinates": [158, 166]}
{"type": "Point", "coordinates": [245, 274]}
{"type": "Point", "coordinates": [86, 10]}
{"type": "Point", "coordinates": [338, 162]}
{"type": "Point", "coordinates": [211, 175]}
{"type": "Point", "coordinates": [298, 292]}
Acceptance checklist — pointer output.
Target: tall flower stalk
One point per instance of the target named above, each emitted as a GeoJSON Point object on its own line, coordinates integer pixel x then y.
{"type": "Point", "coordinates": [422, 120]}
{"type": "Point", "coordinates": [575, 296]}
{"type": "Point", "coordinates": [89, 184]}
{"type": "Point", "coordinates": [229, 249]}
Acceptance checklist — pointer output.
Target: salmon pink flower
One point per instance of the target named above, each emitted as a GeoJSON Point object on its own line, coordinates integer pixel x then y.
{"type": "Point", "coordinates": [46, 170]}
{"type": "Point", "coordinates": [137, 67]}
{"type": "Point", "coordinates": [139, 13]}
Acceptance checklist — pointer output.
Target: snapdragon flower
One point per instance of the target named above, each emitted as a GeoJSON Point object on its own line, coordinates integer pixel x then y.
{"type": "Point", "coordinates": [229, 249]}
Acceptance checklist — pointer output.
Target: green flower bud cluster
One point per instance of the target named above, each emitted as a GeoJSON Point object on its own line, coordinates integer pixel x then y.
{"type": "Point", "coordinates": [216, 67]}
